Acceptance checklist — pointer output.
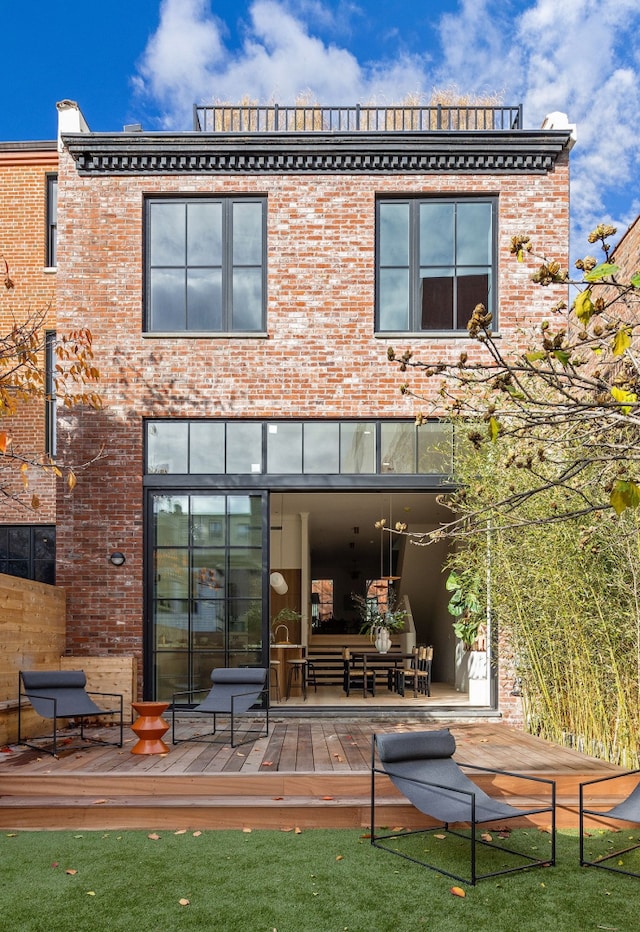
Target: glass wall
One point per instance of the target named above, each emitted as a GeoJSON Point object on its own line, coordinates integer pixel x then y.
{"type": "Point", "coordinates": [206, 598]}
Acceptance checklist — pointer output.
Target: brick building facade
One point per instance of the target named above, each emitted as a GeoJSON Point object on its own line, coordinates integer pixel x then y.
{"type": "Point", "coordinates": [27, 249]}
{"type": "Point", "coordinates": [242, 288]}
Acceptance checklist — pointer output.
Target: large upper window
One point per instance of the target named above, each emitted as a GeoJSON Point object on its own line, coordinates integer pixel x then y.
{"type": "Point", "coordinates": [435, 262]}
{"type": "Point", "coordinates": [206, 265]}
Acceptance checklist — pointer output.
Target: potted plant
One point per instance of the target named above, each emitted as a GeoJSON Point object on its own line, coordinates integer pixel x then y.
{"type": "Point", "coordinates": [469, 627]}
{"type": "Point", "coordinates": [380, 625]}
{"type": "Point", "coordinates": [282, 620]}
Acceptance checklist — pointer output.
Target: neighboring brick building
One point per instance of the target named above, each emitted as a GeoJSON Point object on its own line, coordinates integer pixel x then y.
{"type": "Point", "coordinates": [243, 286]}
{"type": "Point", "coordinates": [27, 246]}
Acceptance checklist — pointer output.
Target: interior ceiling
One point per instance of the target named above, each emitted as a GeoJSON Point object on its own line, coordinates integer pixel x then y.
{"type": "Point", "coordinates": [333, 517]}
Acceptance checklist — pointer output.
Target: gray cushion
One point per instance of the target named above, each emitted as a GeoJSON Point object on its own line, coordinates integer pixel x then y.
{"type": "Point", "coordinates": [416, 745]}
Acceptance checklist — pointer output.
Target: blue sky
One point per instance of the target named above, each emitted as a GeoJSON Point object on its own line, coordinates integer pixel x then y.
{"type": "Point", "coordinates": [148, 61]}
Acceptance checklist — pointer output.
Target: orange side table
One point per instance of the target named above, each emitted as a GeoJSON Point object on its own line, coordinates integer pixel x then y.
{"type": "Point", "coordinates": [150, 727]}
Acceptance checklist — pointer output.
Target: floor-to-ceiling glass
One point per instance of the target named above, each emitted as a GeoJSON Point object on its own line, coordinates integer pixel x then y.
{"type": "Point", "coordinates": [207, 586]}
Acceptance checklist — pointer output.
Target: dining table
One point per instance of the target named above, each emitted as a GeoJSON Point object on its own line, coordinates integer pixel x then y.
{"type": "Point", "coordinates": [365, 657]}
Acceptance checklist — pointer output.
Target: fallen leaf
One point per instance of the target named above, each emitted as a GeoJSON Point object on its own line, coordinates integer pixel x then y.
{"type": "Point", "coordinates": [240, 754]}
{"type": "Point", "coordinates": [439, 836]}
{"type": "Point", "coordinates": [339, 857]}
{"type": "Point", "coordinates": [197, 834]}
{"type": "Point", "coordinates": [458, 891]}
{"type": "Point", "coordinates": [153, 836]}
{"type": "Point", "coordinates": [181, 831]}
{"type": "Point", "coordinates": [267, 763]}
{"type": "Point", "coordinates": [327, 797]}
{"type": "Point", "coordinates": [247, 831]}
{"type": "Point", "coordinates": [6, 750]}
{"type": "Point", "coordinates": [98, 802]}
{"type": "Point", "coordinates": [91, 893]}
{"type": "Point", "coordinates": [400, 828]}
{"type": "Point", "coordinates": [277, 797]}
{"type": "Point", "coordinates": [298, 830]}
{"type": "Point", "coordinates": [12, 834]}
{"type": "Point", "coordinates": [184, 902]}
{"type": "Point", "coordinates": [71, 871]}
{"type": "Point", "coordinates": [486, 836]}
{"type": "Point", "coordinates": [55, 864]}
{"type": "Point", "coordinates": [339, 759]}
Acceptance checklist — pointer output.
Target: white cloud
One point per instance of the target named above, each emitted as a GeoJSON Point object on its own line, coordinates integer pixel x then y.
{"type": "Point", "coordinates": [581, 57]}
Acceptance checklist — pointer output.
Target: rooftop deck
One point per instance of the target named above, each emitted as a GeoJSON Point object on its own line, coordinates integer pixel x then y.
{"type": "Point", "coordinates": [307, 773]}
{"type": "Point", "coordinates": [248, 118]}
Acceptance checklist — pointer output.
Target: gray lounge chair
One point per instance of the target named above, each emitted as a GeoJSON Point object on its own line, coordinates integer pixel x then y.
{"type": "Point", "coordinates": [235, 690]}
{"type": "Point", "coordinates": [421, 766]}
{"type": "Point", "coordinates": [628, 811]}
{"type": "Point", "coordinates": [61, 694]}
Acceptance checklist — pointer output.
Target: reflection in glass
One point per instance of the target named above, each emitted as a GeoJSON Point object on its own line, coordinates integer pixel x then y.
{"type": "Point", "coordinates": [394, 234]}
{"type": "Point", "coordinates": [204, 299]}
{"type": "Point", "coordinates": [172, 574]}
{"type": "Point", "coordinates": [437, 230]}
{"type": "Point", "coordinates": [247, 299]}
{"type": "Point", "coordinates": [206, 447]}
{"type": "Point", "coordinates": [398, 448]}
{"type": "Point", "coordinates": [167, 302]}
{"type": "Point", "coordinates": [435, 448]}
{"type": "Point", "coordinates": [208, 521]}
{"type": "Point", "coordinates": [394, 299]}
{"type": "Point", "coordinates": [321, 448]}
{"type": "Point", "coordinates": [437, 299]}
{"type": "Point", "coordinates": [167, 225]}
{"type": "Point", "coordinates": [244, 447]}
{"type": "Point", "coordinates": [204, 233]}
{"type": "Point", "coordinates": [358, 448]}
{"type": "Point", "coordinates": [247, 234]}
{"type": "Point", "coordinates": [167, 446]}
{"type": "Point", "coordinates": [171, 520]}
{"type": "Point", "coordinates": [284, 448]}
{"type": "Point", "coordinates": [474, 234]}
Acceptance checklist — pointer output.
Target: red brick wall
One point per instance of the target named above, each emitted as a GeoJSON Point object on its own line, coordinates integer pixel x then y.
{"type": "Point", "coordinates": [23, 244]}
{"type": "Point", "coordinates": [320, 358]}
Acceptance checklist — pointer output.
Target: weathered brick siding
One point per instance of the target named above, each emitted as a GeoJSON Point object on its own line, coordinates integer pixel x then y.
{"type": "Point", "coordinates": [23, 186]}
{"type": "Point", "coordinates": [320, 359]}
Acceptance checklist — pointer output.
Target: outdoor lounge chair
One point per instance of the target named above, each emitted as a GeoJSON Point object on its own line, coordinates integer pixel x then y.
{"type": "Point", "coordinates": [235, 690]}
{"type": "Point", "coordinates": [421, 766]}
{"type": "Point", "coordinates": [61, 694]}
{"type": "Point", "coordinates": [628, 811]}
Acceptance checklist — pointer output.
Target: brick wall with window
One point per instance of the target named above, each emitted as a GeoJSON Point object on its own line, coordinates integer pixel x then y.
{"type": "Point", "coordinates": [25, 173]}
{"type": "Point", "coordinates": [320, 352]}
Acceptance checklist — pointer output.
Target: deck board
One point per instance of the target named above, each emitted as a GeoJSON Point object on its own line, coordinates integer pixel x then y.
{"type": "Point", "coordinates": [318, 770]}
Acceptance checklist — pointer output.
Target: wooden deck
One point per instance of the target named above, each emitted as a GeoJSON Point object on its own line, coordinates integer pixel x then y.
{"type": "Point", "coordinates": [306, 773]}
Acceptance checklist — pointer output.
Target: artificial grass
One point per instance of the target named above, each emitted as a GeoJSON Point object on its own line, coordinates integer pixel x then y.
{"type": "Point", "coordinates": [314, 881]}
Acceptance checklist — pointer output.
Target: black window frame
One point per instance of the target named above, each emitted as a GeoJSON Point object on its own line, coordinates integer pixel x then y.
{"type": "Point", "coordinates": [51, 229]}
{"type": "Point", "coordinates": [24, 562]}
{"type": "Point", "coordinates": [460, 316]}
{"type": "Point", "coordinates": [227, 326]}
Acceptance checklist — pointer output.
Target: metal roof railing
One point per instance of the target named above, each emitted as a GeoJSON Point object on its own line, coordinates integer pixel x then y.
{"type": "Point", "coordinates": [249, 118]}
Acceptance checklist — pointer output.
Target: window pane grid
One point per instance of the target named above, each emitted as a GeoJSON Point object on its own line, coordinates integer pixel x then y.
{"type": "Point", "coordinates": [297, 448]}
{"type": "Point", "coordinates": [206, 265]}
{"type": "Point", "coordinates": [447, 269]}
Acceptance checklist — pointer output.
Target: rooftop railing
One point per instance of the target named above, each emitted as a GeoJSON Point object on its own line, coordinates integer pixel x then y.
{"type": "Point", "coordinates": [241, 118]}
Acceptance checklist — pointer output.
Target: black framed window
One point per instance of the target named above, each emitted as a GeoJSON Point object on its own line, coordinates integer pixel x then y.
{"type": "Point", "coordinates": [205, 265]}
{"type": "Point", "coordinates": [436, 259]}
{"type": "Point", "coordinates": [50, 393]}
{"type": "Point", "coordinates": [29, 551]}
{"type": "Point", "coordinates": [51, 258]}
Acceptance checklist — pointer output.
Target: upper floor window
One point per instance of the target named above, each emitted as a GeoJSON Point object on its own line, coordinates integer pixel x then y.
{"type": "Point", "coordinates": [51, 258]}
{"type": "Point", "coordinates": [206, 265]}
{"type": "Point", "coordinates": [435, 262]}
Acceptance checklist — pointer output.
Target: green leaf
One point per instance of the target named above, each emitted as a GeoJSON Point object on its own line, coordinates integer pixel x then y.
{"type": "Point", "coordinates": [605, 268]}
{"type": "Point", "coordinates": [625, 398]}
{"type": "Point", "coordinates": [584, 307]}
{"type": "Point", "coordinates": [494, 428]}
{"type": "Point", "coordinates": [624, 495]}
{"type": "Point", "coordinates": [562, 356]}
{"type": "Point", "coordinates": [534, 357]}
{"type": "Point", "coordinates": [622, 341]}
{"type": "Point", "coordinates": [453, 582]}
{"type": "Point", "coordinates": [635, 281]}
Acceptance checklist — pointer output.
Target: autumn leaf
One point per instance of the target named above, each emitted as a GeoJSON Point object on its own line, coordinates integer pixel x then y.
{"type": "Point", "coordinates": [277, 797]}
{"type": "Point", "coordinates": [486, 837]}
{"type": "Point", "coordinates": [91, 893]}
{"type": "Point", "coordinates": [339, 857]}
{"type": "Point", "coordinates": [298, 830]}
{"type": "Point", "coordinates": [458, 891]}
{"type": "Point", "coordinates": [71, 871]}
{"type": "Point", "coordinates": [72, 481]}
{"type": "Point", "coordinates": [184, 902]}
{"type": "Point", "coordinates": [3, 441]}
{"type": "Point", "coordinates": [181, 831]}
{"type": "Point", "coordinates": [439, 836]}
{"type": "Point", "coordinates": [197, 834]}
{"type": "Point", "coordinates": [153, 836]}
{"type": "Point", "coordinates": [98, 802]}
{"type": "Point", "coordinates": [584, 306]}
{"type": "Point", "coordinates": [247, 831]}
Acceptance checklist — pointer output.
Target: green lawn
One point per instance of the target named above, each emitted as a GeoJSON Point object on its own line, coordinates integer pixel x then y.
{"type": "Point", "coordinates": [315, 881]}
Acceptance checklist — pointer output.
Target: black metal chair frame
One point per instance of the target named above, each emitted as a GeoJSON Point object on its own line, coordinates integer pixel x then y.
{"type": "Point", "coordinates": [628, 811]}
{"type": "Point", "coordinates": [51, 693]}
{"type": "Point", "coordinates": [471, 797]}
{"type": "Point", "coordinates": [230, 704]}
